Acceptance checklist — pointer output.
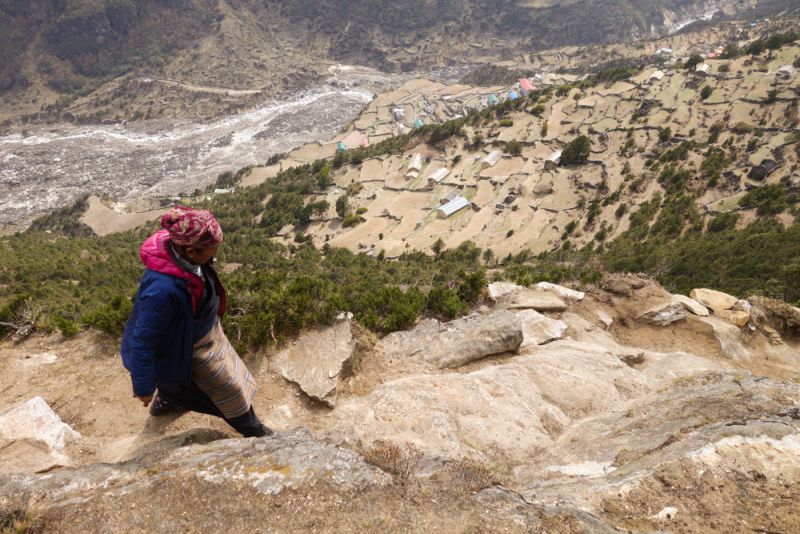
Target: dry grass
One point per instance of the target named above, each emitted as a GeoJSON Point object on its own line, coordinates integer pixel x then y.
{"type": "Point", "coordinates": [19, 521]}
{"type": "Point", "coordinates": [399, 461]}
{"type": "Point", "coordinates": [466, 477]}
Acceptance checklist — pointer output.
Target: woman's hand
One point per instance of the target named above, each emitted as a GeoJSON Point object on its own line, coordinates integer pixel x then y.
{"type": "Point", "coordinates": [145, 400]}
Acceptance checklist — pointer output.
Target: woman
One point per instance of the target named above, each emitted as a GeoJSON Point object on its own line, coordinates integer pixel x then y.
{"type": "Point", "coordinates": [173, 344]}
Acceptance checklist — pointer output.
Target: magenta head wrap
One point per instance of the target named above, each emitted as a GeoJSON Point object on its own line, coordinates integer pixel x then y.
{"type": "Point", "coordinates": [192, 228]}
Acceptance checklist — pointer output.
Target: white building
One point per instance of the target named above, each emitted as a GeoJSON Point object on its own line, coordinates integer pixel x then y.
{"type": "Point", "coordinates": [491, 159]}
{"type": "Point", "coordinates": [657, 75]}
{"type": "Point", "coordinates": [703, 68]}
{"type": "Point", "coordinates": [438, 176]}
{"type": "Point", "coordinates": [455, 205]}
{"type": "Point", "coordinates": [553, 160]}
{"type": "Point", "coordinates": [416, 163]}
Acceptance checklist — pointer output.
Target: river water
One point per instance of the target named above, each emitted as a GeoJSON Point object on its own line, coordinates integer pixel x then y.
{"type": "Point", "coordinates": [46, 167]}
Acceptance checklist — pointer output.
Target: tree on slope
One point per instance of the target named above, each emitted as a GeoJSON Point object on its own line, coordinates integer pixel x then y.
{"type": "Point", "coordinates": [577, 151]}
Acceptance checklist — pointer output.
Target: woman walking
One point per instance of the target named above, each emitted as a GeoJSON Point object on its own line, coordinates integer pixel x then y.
{"type": "Point", "coordinates": [173, 345]}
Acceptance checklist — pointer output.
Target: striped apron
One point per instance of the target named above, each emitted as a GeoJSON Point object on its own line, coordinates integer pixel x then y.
{"type": "Point", "coordinates": [222, 375]}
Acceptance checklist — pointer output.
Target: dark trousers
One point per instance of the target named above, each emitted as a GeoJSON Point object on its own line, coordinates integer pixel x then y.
{"type": "Point", "coordinates": [194, 399]}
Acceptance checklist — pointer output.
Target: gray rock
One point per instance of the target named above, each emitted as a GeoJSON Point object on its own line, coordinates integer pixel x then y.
{"type": "Point", "coordinates": [453, 344]}
{"type": "Point", "coordinates": [316, 360]}
{"type": "Point", "coordinates": [538, 329]}
{"type": "Point", "coordinates": [664, 315]}
{"type": "Point", "coordinates": [532, 299]}
{"type": "Point", "coordinates": [691, 305]}
{"type": "Point", "coordinates": [33, 438]}
{"type": "Point", "coordinates": [499, 289]}
{"type": "Point", "coordinates": [270, 465]}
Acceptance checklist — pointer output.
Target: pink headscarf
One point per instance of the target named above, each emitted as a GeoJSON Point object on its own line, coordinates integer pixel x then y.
{"type": "Point", "coordinates": [192, 228]}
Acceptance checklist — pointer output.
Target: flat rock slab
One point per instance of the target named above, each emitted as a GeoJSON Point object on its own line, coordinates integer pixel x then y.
{"type": "Point", "coordinates": [317, 358]}
{"type": "Point", "coordinates": [538, 329]}
{"type": "Point", "coordinates": [691, 305]}
{"type": "Point", "coordinates": [561, 291]}
{"type": "Point", "coordinates": [33, 438]}
{"type": "Point", "coordinates": [453, 344]}
{"type": "Point", "coordinates": [270, 465]}
{"type": "Point", "coordinates": [532, 299]}
{"type": "Point", "coordinates": [716, 300]}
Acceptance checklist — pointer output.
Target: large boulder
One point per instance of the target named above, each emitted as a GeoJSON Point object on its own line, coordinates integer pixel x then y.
{"type": "Point", "coordinates": [691, 305]}
{"type": "Point", "coordinates": [318, 358]}
{"type": "Point", "coordinates": [458, 342]}
{"type": "Point", "coordinates": [716, 300]}
{"type": "Point", "coordinates": [538, 329]}
{"type": "Point", "coordinates": [33, 438]}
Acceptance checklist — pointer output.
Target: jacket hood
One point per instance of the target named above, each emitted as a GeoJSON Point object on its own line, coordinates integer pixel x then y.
{"type": "Point", "coordinates": [155, 255]}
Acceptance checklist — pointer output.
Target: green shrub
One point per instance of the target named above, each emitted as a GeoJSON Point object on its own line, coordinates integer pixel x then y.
{"type": "Point", "coordinates": [342, 205]}
{"type": "Point", "coordinates": [445, 303]}
{"type": "Point", "coordinates": [68, 328]}
{"type": "Point", "coordinates": [768, 199]}
{"type": "Point", "coordinates": [693, 61]}
{"type": "Point", "coordinates": [513, 148]}
{"type": "Point", "coordinates": [723, 221]}
{"type": "Point", "coordinates": [705, 92]}
{"type": "Point", "coordinates": [111, 318]}
{"type": "Point", "coordinates": [577, 151]}
{"type": "Point", "coordinates": [505, 123]}
{"type": "Point", "coordinates": [351, 219]}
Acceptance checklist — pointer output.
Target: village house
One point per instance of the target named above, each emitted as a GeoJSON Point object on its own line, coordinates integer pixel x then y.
{"type": "Point", "coordinates": [454, 206]}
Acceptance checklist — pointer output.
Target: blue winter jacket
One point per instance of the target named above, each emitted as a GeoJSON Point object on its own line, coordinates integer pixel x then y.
{"type": "Point", "coordinates": [157, 343]}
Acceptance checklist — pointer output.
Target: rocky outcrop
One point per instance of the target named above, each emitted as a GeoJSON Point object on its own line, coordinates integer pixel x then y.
{"type": "Point", "coordinates": [781, 315]}
{"type": "Point", "coordinates": [318, 358]}
{"type": "Point", "coordinates": [268, 465]}
{"type": "Point", "coordinates": [33, 438]}
{"type": "Point", "coordinates": [458, 342]}
{"type": "Point", "coordinates": [507, 411]}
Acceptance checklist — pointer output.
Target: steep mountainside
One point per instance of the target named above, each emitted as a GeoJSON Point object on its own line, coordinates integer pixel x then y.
{"type": "Point", "coordinates": [67, 48]}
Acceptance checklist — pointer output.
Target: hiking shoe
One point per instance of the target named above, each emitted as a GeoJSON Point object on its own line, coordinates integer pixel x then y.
{"type": "Point", "coordinates": [159, 406]}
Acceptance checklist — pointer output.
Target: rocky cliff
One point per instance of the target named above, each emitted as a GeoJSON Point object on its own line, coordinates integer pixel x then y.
{"type": "Point", "coordinates": [609, 422]}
